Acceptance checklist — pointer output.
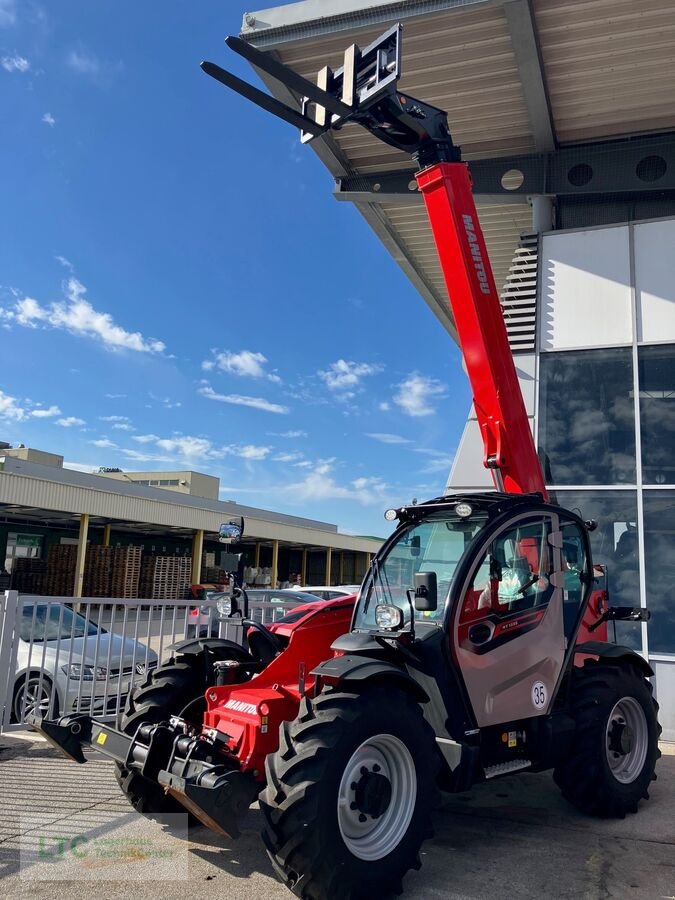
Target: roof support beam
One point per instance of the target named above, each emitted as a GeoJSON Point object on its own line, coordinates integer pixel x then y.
{"type": "Point", "coordinates": [622, 166]}
{"type": "Point", "coordinates": [520, 18]}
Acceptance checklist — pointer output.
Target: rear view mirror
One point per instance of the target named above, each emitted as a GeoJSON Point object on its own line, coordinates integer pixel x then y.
{"type": "Point", "coordinates": [426, 591]}
{"type": "Point", "coordinates": [415, 545]}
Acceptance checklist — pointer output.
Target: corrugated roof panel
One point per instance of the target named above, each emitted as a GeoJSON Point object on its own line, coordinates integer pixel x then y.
{"type": "Point", "coordinates": [502, 225]}
{"type": "Point", "coordinates": [461, 60]}
{"type": "Point", "coordinates": [609, 65]}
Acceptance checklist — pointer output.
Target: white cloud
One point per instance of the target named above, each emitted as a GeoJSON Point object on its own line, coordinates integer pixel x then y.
{"type": "Point", "coordinates": [384, 406]}
{"type": "Point", "coordinates": [49, 119]}
{"type": "Point", "coordinates": [114, 396]}
{"type": "Point", "coordinates": [414, 395]}
{"type": "Point", "coordinates": [288, 434]}
{"type": "Point", "coordinates": [48, 413]}
{"type": "Point", "coordinates": [250, 451]}
{"type": "Point", "coordinates": [145, 438]}
{"type": "Point", "coordinates": [9, 409]}
{"type": "Point", "coordinates": [103, 442]}
{"type": "Point", "coordinates": [114, 418]}
{"type": "Point", "coordinates": [344, 375]}
{"type": "Point", "coordinates": [66, 263]}
{"type": "Point", "coordinates": [319, 484]}
{"type": "Point", "coordinates": [14, 63]}
{"type": "Point", "coordinates": [7, 13]}
{"type": "Point", "coordinates": [239, 400]}
{"type": "Point", "coordinates": [246, 363]}
{"type": "Point", "coordinates": [70, 421]}
{"type": "Point", "coordinates": [384, 438]}
{"type": "Point", "coordinates": [439, 461]}
{"type": "Point", "coordinates": [123, 426]}
{"type": "Point", "coordinates": [287, 457]}
{"type": "Point", "coordinates": [79, 317]}
{"type": "Point", "coordinates": [87, 64]}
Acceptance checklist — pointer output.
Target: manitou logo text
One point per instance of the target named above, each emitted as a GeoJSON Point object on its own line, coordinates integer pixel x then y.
{"type": "Point", "coordinates": [240, 706]}
{"type": "Point", "coordinates": [476, 255]}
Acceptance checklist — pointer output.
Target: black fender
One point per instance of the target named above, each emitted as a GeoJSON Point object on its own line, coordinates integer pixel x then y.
{"type": "Point", "coordinates": [215, 647]}
{"type": "Point", "coordinates": [343, 669]}
{"type": "Point", "coordinates": [615, 653]}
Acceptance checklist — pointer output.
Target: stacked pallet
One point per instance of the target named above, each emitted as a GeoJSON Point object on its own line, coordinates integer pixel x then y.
{"type": "Point", "coordinates": [165, 577]}
{"type": "Point", "coordinates": [28, 575]}
{"type": "Point", "coordinates": [97, 571]}
{"type": "Point", "coordinates": [126, 572]}
{"type": "Point", "coordinates": [212, 575]}
{"type": "Point", "coordinates": [60, 577]}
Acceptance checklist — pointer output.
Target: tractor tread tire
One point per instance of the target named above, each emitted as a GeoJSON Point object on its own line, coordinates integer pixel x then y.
{"type": "Point", "coordinates": [313, 862]}
{"type": "Point", "coordinates": [585, 777]}
{"type": "Point", "coordinates": [166, 691]}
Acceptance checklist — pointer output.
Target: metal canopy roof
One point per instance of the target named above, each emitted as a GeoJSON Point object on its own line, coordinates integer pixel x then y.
{"type": "Point", "coordinates": [515, 76]}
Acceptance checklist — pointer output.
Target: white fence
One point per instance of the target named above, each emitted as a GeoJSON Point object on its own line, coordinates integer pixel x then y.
{"type": "Point", "coordinates": [59, 655]}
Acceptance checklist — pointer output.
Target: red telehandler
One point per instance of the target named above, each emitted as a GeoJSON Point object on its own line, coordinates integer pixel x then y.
{"type": "Point", "coordinates": [478, 643]}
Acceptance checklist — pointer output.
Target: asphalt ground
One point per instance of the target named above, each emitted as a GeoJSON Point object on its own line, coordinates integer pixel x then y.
{"type": "Point", "coordinates": [512, 838]}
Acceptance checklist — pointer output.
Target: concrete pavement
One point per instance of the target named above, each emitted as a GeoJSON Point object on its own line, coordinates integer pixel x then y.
{"type": "Point", "coordinates": [514, 838]}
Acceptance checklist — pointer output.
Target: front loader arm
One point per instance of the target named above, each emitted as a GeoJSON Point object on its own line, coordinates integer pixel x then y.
{"type": "Point", "coordinates": [364, 91]}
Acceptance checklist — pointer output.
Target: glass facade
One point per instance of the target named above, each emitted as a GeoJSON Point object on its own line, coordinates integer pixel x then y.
{"type": "Point", "coordinates": [586, 418]}
{"type": "Point", "coordinates": [589, 412]}
{"type": "Point", "coordinates": [656, 370]}
{"type": "Point", "coordinates": [659, 525]}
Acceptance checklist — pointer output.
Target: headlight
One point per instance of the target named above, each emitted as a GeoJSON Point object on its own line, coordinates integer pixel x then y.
{"type": "Point", "coordinates": [224, 606]}
{"type": "Point", "coordinates": [388, 617]}
{"type": "Point", "coordinates": [79, 672]}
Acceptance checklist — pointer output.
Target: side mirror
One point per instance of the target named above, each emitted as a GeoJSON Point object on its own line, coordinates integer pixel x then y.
{"type": "Point", "coordinates": [426, 591]}
{"type": "Point", "coordinates": [231, 532]}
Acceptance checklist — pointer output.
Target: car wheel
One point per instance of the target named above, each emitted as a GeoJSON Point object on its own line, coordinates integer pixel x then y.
{"type": "Point", "coordinates": [38, 695]}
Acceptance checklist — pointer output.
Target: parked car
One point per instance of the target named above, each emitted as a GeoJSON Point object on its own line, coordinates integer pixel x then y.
{"type": "Point", "coordinates": [203, 620]}
{"type": "Point", "coordinates": [329, 592]}
{"type": "Point", "coordinates": [66, 663]}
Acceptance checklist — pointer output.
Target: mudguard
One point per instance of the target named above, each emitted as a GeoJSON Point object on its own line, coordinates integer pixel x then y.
{"type": "Point", "coordinates": [358, 668]}
{"type": "Point", "coordinates": [215, 646]}
{"type": "Point", "coordinates": [606, 650]}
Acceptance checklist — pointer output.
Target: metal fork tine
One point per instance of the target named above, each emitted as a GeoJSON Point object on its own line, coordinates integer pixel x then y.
{"type": "Point", "coordinates": [260, 98]}
{"type": "Point", "coordinates": [287, 76]}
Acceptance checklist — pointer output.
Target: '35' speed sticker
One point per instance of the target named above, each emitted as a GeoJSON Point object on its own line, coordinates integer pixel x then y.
{"type": "Point", "coordinates": [539, 696]}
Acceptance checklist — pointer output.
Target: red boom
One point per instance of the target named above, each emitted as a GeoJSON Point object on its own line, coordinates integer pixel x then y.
{"type": "Point", "coordinates": [510, 452]}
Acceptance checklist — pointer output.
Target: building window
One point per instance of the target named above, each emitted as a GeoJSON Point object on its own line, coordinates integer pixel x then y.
{"type": "Point", "coordinates": [586, 417]}
{"type": "Point", "coordinates": [656, 374]}
{"type": "Point", "coordinates": [659, 519]}
{"type": "Point", "coordinates": [615, 545]}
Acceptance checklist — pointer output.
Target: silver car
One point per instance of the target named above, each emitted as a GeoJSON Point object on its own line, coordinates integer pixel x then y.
{"type": "Point", "coordinates": [67, 663]}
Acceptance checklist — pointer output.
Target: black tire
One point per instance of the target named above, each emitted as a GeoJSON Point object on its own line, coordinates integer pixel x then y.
{"type": "Point", "coordinates": [302, 827]}
{"type": "Point", "coordinates": [611, 764]}
{"type": "Point", "coordinates": [167, 691]}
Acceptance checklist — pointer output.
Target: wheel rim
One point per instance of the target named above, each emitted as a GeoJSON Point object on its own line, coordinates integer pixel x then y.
{"type": "Point", "coordinates": [376, 799]}
{"type": "Point", "coordinates": [627, 740]}
{"type": "Point", "coordinates": [37, 699]}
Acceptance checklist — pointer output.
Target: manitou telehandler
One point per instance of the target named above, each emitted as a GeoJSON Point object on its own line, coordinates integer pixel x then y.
{"type": "Point", "coordinates": [478, 641]}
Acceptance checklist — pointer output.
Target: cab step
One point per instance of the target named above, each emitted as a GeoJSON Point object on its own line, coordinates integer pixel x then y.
{"type": "Point", "coordinates": [504, 768]}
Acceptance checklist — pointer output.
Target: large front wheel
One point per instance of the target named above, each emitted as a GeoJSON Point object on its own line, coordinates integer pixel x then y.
{"type": "Point", "coordinates": [349, 794]}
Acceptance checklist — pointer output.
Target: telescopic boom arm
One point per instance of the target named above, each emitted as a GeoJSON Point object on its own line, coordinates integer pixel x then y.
{"type": "Point", "coordinates": [363, 91]}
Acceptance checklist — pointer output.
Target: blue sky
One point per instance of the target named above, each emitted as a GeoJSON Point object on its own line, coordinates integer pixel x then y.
{"type": "Point", "coordinates": [179, 289]}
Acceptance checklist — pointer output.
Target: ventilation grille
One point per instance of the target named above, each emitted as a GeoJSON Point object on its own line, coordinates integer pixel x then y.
{"type": "Point", "coordinates": [519, 296]}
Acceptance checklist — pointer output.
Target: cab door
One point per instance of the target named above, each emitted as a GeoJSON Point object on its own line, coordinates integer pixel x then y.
{"type": "Point", "coordinates": [508, 635]}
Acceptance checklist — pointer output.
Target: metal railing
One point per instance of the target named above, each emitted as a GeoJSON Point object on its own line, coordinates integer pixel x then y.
{"type": "Point", "coordinates": [59, 655]}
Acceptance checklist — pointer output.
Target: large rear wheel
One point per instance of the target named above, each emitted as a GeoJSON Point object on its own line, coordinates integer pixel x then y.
{"type": "Point", "coordinates": [616, 741]}
{"type": "Point", "coordinates": [349, 794]}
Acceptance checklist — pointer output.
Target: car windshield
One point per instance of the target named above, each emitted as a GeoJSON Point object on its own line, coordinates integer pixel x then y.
{"type": "Point", "coordinates": [53, 622]}
{"type": "Point", "coordinates": [434, 545]}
